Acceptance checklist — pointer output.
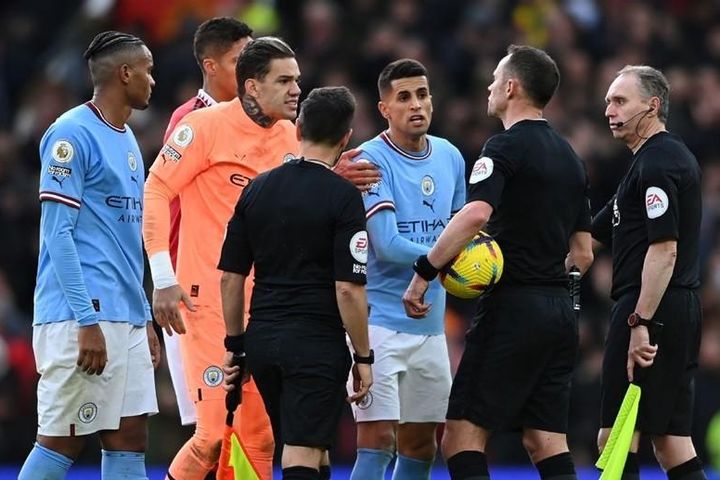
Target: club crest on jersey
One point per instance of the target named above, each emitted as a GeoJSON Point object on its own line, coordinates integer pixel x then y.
{"type": "Point", "coordinates": [359, 246]}
{"type": "Point", "coordinates": [87, 412]}
{"type": "Point", "coordinates": [183, 136]}
{"type": "Point", "coordinates": [132, 162]}
{"type": "Point", "coordinates": [63, 151]}
{"type": "Point", "coordinates": [213, 376]}
{"type": "Point", "coordinates": [656, 202]}
{"type": "Point", "coordinates": [482, 169]}
{"type": "Point", "coordinates": [428, 185]}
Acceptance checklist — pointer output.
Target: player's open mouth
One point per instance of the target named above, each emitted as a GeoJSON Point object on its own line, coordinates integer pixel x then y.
{"type": "Point", "coordinates": [417, 119]}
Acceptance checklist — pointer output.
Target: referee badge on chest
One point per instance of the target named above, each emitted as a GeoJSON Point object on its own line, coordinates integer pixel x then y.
{"type": "Point", "coordinates": [213, 376]}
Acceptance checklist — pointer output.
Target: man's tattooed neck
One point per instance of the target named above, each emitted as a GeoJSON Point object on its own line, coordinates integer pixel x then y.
{"type": "Point", "coordinates": [254, 111]}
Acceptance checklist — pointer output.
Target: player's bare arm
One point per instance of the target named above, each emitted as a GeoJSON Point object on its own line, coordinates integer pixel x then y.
{"type": "Point", "coordinates": [581, 252]}
{"type": "Point", "coordinates": [657, 271]}
{"type": "Point", "coordinates": [352, 303]}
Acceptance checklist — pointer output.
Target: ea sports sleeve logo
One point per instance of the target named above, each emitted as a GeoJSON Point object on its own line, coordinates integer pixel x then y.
{"type": "Point", "coordinates": [482, 169]}
{"type": "Point", "coordinates": [359, 246]}
{"type": "Point", "coordinates": [656, 202]}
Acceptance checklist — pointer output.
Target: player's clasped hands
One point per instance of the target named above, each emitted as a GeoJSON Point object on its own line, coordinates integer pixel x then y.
{"type": "Point", "coordinates": [640, 352]}
{"type": "Point", "coordinates": [92, 353]}
{"type": "Point", "coordinates": [362, 381]}
{"type": "Point", "coordinates": [166, 308]}
{"type": "Point", "coordinates": [414, 298]}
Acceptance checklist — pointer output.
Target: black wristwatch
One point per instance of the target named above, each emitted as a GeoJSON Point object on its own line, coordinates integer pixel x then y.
{"type": "Point", "coordinates": [370, 359]}
{"type": "Point", "coordinates": [635, 320]}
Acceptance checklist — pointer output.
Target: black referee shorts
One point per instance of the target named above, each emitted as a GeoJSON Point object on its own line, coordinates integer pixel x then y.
{"type": "Point", "coordinates": [518, 361]}
{"type": "Point", "coordinates": [668, 388]}
{"type": "Point", "coordinates": [301, 372]}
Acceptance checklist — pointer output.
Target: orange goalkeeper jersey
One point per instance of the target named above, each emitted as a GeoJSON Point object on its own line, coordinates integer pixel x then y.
{"type": "Point", "coordinates": [208, 159]}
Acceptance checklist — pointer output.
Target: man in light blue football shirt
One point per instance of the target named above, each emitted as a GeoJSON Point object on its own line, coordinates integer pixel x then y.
{"type": "Point", "coordinates": [92, 330]}
{"type": "Point", "coordinates": [422, 186]}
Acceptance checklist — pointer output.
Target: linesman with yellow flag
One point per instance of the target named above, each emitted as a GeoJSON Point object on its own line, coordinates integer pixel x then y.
{"type": "Point", "coordinates": [653, 225]}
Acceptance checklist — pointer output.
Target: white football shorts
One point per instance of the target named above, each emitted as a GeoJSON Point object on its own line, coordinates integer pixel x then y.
{"type": "Point", "coordinates": [71, 402]}
{"type": "Point", "coordinates": [411, 378]}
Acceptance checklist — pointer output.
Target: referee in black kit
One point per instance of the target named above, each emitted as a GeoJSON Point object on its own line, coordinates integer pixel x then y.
{"type": "Point", "coordinates": [520, 352]}
{"type": "Point", "coordinates": [303, 229]}
{"type": "Point", "coordinates": [653, 225]}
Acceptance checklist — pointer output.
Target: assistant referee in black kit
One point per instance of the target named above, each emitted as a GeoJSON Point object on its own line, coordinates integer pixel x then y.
{"type": "Point", "coordinates": [302, 227]}
{"type": "Point", "coordinates": [653, 225]}
{"type": "Point", "coordinates": [520, 352]}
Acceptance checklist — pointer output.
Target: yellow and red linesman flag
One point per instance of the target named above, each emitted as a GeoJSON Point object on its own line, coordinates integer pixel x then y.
{"type": "Point", "coordinates": [234, 462]}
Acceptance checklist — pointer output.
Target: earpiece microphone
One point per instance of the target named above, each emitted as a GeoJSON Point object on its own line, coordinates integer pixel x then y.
{"type": "Point", "coordinates": [620, 124]}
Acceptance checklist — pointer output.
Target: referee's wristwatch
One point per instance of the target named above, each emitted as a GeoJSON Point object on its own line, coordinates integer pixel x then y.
{"type": "Point", "coordinates": [635, 320]}
{"type": "Point", "coordinates": [370, 359]}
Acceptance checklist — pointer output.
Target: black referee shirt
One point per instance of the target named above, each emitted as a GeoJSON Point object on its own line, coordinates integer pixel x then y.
{"type": "Point", "coordinates": [658, 199]}
{"type": "Point", "coordinates": [538, 189]}
{"type": "Point", "coordinates": [302, 227]}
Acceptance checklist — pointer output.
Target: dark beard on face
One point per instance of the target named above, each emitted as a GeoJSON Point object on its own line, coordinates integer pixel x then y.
{"type": "Point", "coordinates": [254, 111]}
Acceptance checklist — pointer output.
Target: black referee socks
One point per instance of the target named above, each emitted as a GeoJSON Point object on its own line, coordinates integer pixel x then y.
{"type": "Point", "coordinates": [300, 473]}
{"type": "Point", "coordinates": [632, 468]}
{"type": "Point", "coordinates": [324, 472]}
{"type": "Point", "coordinates": [557, 467]}
{"type": "Point", "coordinates": [468, 465]}
{"type": "Point", "coordinates": [690, 470]}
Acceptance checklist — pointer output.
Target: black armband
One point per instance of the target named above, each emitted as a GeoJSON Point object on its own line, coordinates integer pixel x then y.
{"type": "Point", "coordinates": [235, 343]}
{"type": "Point", "coordinates": [424, 268]}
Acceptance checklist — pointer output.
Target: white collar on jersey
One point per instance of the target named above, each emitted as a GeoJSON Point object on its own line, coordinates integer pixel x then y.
{"type": "Point", "coordinates": [205, 97]}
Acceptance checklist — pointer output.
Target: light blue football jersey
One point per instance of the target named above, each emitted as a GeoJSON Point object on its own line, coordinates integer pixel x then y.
{"type": "Point", "coordinates": [96, 172]}
{"type": "Point", "coordinates": [420, 193]}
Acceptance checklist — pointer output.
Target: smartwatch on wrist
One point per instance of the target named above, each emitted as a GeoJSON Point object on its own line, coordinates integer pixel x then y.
{"type": "Point", "coordinates": [635, 320]}
{"type": "Point", "coordinates": [369, 360]}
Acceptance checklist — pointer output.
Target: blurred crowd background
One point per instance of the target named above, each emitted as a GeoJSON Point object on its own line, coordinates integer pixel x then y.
{"type": "Point", "coordinates": [42, 74]}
